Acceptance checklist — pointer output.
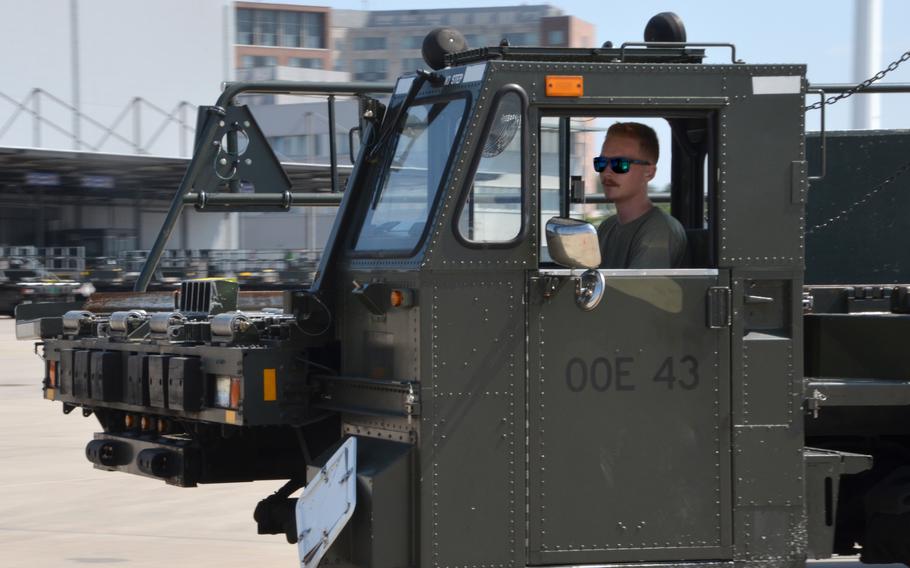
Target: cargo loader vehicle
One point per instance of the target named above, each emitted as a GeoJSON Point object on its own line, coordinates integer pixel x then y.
{"type": "Point", "coordinates": [462, 386]}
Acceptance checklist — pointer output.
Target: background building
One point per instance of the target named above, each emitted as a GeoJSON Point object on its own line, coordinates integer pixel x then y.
{"type": "Point", "coordinates": [388, 43]}
{"type": "Point", "coordinates": [96, 125]}
{"type": "Point", "coordinates": [380, 45]}
{"type": "Point", "coordinates": [287, 35]}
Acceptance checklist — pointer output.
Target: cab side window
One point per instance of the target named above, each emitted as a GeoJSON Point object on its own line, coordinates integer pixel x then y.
{"type": "Point", "coordinates": [492, 207]}
{"type": "Point", "coordinates": [681, 187]}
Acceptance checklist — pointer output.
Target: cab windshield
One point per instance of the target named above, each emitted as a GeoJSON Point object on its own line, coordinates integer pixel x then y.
{"type": "Point", "coordinates": [413, 170]}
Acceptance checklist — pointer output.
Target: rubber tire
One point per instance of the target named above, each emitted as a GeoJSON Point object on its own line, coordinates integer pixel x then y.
{"type": "Point", "coordinates": [887, 539]}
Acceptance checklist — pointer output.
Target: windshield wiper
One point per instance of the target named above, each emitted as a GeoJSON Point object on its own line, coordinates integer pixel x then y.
{"type": "Point", "coordinates": [392, 125]}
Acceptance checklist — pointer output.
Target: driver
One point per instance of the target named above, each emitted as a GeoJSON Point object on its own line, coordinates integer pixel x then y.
{"type": "Point", "coordinates": [640, 235]}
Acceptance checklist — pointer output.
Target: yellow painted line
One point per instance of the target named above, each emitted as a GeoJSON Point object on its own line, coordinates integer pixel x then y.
{"type": "Point", "coordinates": [230, 416]}
{"type": "Point", "coordinates": [269, 385]}
{"type": "Point", "coordinates": [49, 393]}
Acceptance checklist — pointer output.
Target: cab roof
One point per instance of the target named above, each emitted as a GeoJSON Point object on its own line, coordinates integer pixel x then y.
{"type": "Point", "coordinates": [624, 54]}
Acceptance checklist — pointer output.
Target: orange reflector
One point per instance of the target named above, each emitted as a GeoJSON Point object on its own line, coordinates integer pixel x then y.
{"type": "Point", "coordinates": [163, 426]}
{"type": "Point", "coordinates": [129, 421]}
{"type": "Point", "coordinates": [235, 392]}
{"type": "Point", "coordinates": [145, 423]}
{"type": "Point", "coordinates": [52, 373]}
{"type": "Point", "coordinates": [230, 416]}
{"type": "Point", "coordinates": [269, 384]}
{"type": "Point", "coordinates": [397, 298]}
{"type": "Point", "coordinates": [565, 85]}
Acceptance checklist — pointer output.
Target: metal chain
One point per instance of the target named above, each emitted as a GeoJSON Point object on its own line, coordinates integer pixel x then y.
{"type": "Point", "coordinates": [853, 90]}
{"type": "Point", "coordinates": [861, 201]}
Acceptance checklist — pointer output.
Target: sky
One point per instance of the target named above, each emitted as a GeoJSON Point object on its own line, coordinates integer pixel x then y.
{"type": "Point", "coordinates": [816, 33]}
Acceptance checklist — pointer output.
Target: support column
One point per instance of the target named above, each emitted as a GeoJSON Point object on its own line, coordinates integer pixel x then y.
{"type": "Point", "coordinates": [867, 60]}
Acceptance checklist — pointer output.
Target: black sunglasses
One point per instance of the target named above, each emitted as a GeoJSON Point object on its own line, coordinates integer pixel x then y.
{"type": "Point", "coordinates": [618, 165]}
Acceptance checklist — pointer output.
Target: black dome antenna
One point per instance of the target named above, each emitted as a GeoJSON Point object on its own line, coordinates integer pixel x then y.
{"type": "Point", "coordinates": [665, 27]}
{"type": "Point", "coordinates": [439, 43]}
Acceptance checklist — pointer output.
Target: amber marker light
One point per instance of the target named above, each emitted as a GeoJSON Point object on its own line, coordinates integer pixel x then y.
{"type": "Point", "coordinates": [146, 423]}
{"type": "Point", "coordinates": [52, 374]}
{"type": "Point", "coordinates": [401, 298]}
{"type": "Point", "coordinates": [269, 385]}
{"type": "Point", "coordinates": [129, 421]}
{"type": "Point", "coordinates": [565, 85]}
{"type": "Point", "coordinates": [235, 392]}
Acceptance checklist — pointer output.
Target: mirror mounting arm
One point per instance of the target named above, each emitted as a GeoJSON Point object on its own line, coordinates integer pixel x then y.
{"type": "Point", "coordinates": [551, 285]}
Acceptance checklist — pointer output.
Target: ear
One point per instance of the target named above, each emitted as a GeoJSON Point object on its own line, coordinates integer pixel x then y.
{"type": "Point", "coordinates": [652, 171]}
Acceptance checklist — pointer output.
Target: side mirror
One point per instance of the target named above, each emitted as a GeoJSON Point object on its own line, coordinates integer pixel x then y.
{"type": "Point", "coordinates": [573, 243]}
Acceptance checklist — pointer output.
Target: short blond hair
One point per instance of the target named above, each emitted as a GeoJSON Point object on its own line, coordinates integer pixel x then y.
{"type": "Point", "coordinates": [645, 135]}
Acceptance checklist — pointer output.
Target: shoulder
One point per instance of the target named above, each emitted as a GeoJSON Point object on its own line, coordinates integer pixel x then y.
{"type": "Point", "coordinates": [658, 219]}
{"type": "Point", "coordinates": [663, 229]}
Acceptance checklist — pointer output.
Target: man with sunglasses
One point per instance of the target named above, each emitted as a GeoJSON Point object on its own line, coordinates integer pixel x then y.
{"type": "Point", "coordinates": [640, 235]}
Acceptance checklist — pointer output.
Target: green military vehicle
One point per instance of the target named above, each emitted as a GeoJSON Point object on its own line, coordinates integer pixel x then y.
{"type": "Point", "coordinates": [461, 386]}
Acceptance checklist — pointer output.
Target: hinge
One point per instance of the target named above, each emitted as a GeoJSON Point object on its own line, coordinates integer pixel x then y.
{"type": "Point", "coordinates": [798, 182]}
{"type": "Point", "coordinates": [718, 307]}
{"type": "Point", "coordinates": [412, 402]}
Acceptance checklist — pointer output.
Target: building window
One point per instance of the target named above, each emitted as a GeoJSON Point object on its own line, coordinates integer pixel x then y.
{"type": "Point", "coordinates": [245, 27]}
{"type": "Point", "coordinates": [366, 43]}
{"type": "Point", "coordinates": [412, 42]}
{"type": "Point", "coordinates": [370, 69]}
{"type": "Point", "coordinates": [306, 62]}
{"type": "Point", "coordinates": [290, 29]}
{"type": "Point", "coordinates": [250, 61]}
{"type": "Point", "coordinates": [267, 21]}
{"type": "Point", "coordinates": [411, 64]}
{"type": "Point", "coordinates": [556, 37]}
{"type": "Point", "coordinates": [313, 30]}
{"type": "Point", "coordinates": [473, 40]}
{"type": "Point", "coordinates": [308, 146]}
{"type": "Point", "coordinates": [522, 38]}
{"type": "Point", "coordinates": [280, 28]}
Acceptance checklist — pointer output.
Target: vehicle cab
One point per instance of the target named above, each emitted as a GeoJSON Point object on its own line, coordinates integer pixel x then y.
{"type": "Point", "coordinates": [653, 424]}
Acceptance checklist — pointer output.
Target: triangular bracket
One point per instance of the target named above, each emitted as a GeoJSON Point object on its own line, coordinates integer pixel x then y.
{"type": "Point", "coordinates": [239, 155]}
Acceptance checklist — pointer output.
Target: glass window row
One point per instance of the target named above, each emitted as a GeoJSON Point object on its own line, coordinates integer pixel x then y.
{"type": "Point", "coordinates": [281, 28]}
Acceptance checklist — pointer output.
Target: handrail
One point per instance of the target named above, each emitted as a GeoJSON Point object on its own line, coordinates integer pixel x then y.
{"type": "Point", "coordinates": [202, 154]}
{"type": "Point", "coordinates": [823, 138]}
{"type": "Point", "coordinates": [622, 48]}
{"type": "Point", "coordinates": [232, 90]}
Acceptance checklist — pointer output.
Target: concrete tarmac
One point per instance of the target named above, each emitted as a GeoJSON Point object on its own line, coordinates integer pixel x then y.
{"type": "Point", "coordinates": [57, 511]}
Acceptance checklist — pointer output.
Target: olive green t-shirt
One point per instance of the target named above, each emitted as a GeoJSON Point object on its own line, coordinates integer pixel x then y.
{"type": "Point", "coordinates": [654, 240]}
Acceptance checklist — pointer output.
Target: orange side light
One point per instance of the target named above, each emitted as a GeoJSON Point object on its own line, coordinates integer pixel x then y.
{"type": "Point", "coordinates": [565, 86]}
{"type": "Point", "coordinates": [52, 374]}
{"type": "Point", "coordinates": [269, 385]}
{"type": "Point", "coordinates": [235, 392]}
{"type": "Point", "coordinates": [397, 298]}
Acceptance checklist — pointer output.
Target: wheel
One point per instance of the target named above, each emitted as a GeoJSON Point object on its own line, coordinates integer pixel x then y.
{"type": "Point", "coordinates": [887, 539]}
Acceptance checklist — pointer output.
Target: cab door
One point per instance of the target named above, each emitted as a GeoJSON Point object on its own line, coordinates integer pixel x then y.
{"type": "Point", "coordinates": [629, 414]}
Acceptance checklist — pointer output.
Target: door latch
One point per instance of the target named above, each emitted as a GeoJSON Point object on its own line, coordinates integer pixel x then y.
{"type": "Point", "coordinates": [719, 313]}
